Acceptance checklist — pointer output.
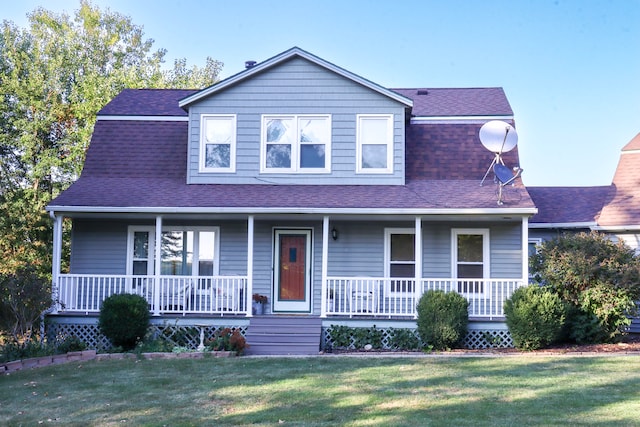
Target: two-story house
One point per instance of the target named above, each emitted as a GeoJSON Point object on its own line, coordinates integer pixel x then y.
{"type": "Point", "coordinates": [338, 199]}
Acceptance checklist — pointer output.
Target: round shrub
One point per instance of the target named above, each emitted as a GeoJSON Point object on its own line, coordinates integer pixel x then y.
{"type": "Point", "coordinates": [124, 320]}
{"type": "Point", "coordinates": [442, 319]}
{"type": "Point", "coordinates": [535, 317]}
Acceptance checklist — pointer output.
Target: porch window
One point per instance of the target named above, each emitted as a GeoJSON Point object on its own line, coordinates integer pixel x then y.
{"type": "Point", "coordinates": [470, 258]}
{"type": "Point", "coordinates": [401, 259]}
{"type": "Point", "coordinates": [374, 148]}
{"type": "Point", "coordinates": [218, 143]}
{"type": "Point", "coordinates": [296, 143]}
{"type": "Point", "coordinates": [184, 252]}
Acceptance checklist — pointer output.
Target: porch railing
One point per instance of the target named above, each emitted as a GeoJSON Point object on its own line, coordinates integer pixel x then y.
{"type": "Point", "coordinates": [84, 293]}
{"type": "Point", "coordinates": [386, 297]}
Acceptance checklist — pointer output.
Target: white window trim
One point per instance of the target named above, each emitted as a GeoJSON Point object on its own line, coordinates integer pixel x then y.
{"type": "Point", "coordinates": [486, 251]}
{"type": "Point", "coordinates": [390, 145]}
{"type": "Point", "coordinates": [203, 144]}
{"type": "Point", "coordinates": [387, 258]}
{"type": "Point", "coordinates": [132, 229]}
{"type": "Point", "coordinates": [295, 148]}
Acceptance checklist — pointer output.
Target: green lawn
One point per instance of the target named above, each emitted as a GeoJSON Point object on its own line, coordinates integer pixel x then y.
{"type": "Point", "coordinates": [329, 391]}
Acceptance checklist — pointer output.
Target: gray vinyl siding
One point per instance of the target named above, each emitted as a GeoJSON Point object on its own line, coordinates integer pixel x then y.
{"type": "Point", "coordinates": [506, 251]}
{"type": "Point", "coordinates": [98, 247]}
{"type": "Point", "coordinates": [296, 87]}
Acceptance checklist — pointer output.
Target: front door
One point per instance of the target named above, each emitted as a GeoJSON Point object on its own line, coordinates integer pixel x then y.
{"type": "Point", "coordinates": [292, 271]}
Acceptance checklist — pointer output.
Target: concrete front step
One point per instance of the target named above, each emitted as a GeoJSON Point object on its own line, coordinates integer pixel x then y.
{"type": "Point", "coordinates": [283, 335]}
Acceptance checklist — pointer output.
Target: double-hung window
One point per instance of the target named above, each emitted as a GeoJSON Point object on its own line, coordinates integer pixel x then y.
{"type": "Point", "coordinates": [400, 259]}
{"type": "Point", "coordinates": [217, 143]}
{"type": "Point", "coordinates": [184, 251]}
{"type": "Point", "coordinates": [374, 148]}
{"type": "Point", "coordinates": [296, 143]}
{"type": "Point", "coordinates": [470, 258]}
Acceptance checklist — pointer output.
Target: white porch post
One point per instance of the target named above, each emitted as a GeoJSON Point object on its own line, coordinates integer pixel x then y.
{"type": "Point", "coordinates": [249, 296]}
{"type": "Point", "coordinates": [525, 250]}
{"type": "Point", "coordinates": [418, 255]}
{"type": "Point", "coordinates": [158, 266]}
{"type": "Point", "coordinates": [57, 261]}
{"type": "Point", "coordinates": [325, 265]}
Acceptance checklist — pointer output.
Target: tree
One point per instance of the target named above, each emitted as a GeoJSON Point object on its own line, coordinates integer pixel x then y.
{"type": "Point", "coordinates": [599, 278]}
{"type": "Point", "coordinates": [55, 76]}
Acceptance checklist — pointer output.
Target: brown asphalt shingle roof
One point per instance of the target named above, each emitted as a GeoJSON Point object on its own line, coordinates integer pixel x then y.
{"type": "Point", "coordinates": [138, 163]}
{"type": "Point", "coordinates": [565, 205]}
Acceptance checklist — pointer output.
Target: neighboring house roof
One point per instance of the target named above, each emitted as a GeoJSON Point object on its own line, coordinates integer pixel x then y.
{"type": "Point", "coordinates": [567, 207]}
{"type": "Point", "coordinates": [465, 102]}
{"type": "Point", "coordinates": [283, 57]}
{"type": "Point", "coordinates": [622, 210]}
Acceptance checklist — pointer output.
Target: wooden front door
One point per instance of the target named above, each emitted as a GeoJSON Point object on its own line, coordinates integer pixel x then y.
{"type": "Point", "coordinates": [292, 271]}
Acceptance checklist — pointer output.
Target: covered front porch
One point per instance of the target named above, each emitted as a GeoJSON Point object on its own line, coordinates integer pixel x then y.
{"type": "Point", "coordinates": [341, 259]}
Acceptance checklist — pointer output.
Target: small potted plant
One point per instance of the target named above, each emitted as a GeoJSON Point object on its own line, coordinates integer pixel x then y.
{"type": "Point", "coordinates": [258, 303]}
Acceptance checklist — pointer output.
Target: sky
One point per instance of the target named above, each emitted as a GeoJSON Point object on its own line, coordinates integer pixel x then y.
{"type": "Point", "coordinates": [570, 69]}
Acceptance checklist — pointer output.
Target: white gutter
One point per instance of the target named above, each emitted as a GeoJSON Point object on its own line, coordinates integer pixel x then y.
{"type": "Point", "coordinates": [467, 119]}
{"type": "Point", "coordinates": [634, 227]}
{"type": "Point", "coordinates": [289, 210]}
{"type": "Point", "coordinates": [590, 224]}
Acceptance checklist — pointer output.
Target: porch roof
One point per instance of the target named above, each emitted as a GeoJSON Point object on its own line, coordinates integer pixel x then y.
{"type": "Point", "coordinates": [429, 196]}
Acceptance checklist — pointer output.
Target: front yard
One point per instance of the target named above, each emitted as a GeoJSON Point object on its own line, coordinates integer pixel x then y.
{"type": "Point", "coordinates": [518, 390]}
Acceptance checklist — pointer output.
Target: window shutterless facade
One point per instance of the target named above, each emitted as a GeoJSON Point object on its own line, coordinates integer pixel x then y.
{"type": "Point", "coordinates": [400, 259]}
{"type": "Point", "coordinates": [295, 144]}
{"type": "Point", "coordinates": [374, 147]}
{"type": "Point", "coordinates": [184, 251]}
{"type": "Point", "coordinates": [217, 143]}
{"type": "Point", "coordinates": [470, 258]}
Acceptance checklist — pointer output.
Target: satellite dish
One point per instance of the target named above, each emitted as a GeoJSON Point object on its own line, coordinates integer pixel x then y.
{"type": "Point", "coordinates": [498, 136]}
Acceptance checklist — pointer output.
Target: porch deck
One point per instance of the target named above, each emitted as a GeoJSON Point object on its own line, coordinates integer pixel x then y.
{"type": "Point", "coordinates": [230, 295]}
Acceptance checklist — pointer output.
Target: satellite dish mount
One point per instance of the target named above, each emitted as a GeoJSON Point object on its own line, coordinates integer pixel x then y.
{"type": "Point", "coordinates": [499, 137]}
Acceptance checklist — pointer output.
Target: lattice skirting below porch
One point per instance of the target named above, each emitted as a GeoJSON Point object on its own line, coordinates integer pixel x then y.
{"type": "Point", "coordinates": [180, 335]}
{"type": "Point", "coordinates": [476, 339]}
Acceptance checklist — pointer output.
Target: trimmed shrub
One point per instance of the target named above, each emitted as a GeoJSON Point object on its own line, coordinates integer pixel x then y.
{"type": "Point", "coordinates": [405, 339]}
{"type": "Point", "coordinates": [535, 317]}
{"type": "Point", "coordinates": [124, 320]}
{"type": "Point", "coordinates": [443, 319]}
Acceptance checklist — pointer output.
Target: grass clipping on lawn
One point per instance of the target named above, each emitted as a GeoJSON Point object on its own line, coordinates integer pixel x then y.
{"type": "Point", "coordinates": [328, 391]}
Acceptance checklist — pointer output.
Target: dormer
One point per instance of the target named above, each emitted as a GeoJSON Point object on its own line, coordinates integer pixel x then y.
{"type": "Point", "coordinates": [296, 119]}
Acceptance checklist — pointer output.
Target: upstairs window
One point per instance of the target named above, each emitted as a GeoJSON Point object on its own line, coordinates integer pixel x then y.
{"type": "Point", "coordinates": [374, 143]}
{"type": "Point", "coordinates": [218, 143]}
{"type": "Point", "coordinates": [296, 143]}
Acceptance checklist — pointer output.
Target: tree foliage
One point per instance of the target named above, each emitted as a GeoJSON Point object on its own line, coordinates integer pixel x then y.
{"type": "Point", "coordinates": [598, 277]}
{"type": "Point", "coordinates": [55, 75]}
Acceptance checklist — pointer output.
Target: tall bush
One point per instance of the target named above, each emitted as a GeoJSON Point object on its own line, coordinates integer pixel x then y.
{"type": "Point", "coordinates": [535, 317]}
{"type": "Point", "coordinates": [124, 320]}
{"type": "Point", "coordinates": [443, 319]}
{"type": "Point", "coordinates": [24, 296]}
{"type": "Point", "coordinates": [598, 277]}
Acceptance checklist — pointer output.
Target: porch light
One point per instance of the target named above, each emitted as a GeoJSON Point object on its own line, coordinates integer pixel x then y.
{"type": "Point", "coordinates": [334, 233]}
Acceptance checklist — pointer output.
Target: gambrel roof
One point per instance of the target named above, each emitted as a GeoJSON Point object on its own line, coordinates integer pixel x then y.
{"type": "Point", "coordinates": [137, 159]}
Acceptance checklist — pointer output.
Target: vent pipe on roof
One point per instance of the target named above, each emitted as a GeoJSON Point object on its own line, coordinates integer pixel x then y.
{"type": "Point", "coordinates": [249, 64]}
